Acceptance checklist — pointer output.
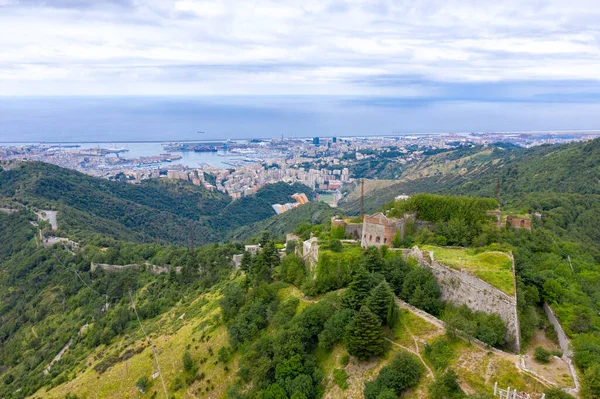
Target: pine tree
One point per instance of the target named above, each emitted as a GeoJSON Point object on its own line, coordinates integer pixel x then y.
{"type": "Point", "coordinates": [372, 260]}
{"type": "Point", "coordinates": [246, 263]}
{"type": "Point", "coordinates": [364, 336]}
{"type": "Point", "coordinates": [379, 301]}
{"type": "Point", "coordinates": [357, 290]}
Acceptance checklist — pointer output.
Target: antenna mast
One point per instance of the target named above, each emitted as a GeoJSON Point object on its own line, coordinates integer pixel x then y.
{"type": "Point", "coordinates": [362, 197]}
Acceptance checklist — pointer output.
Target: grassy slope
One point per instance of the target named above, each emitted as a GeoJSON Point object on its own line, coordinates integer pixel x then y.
{"type": "Point", "coordinates": [477, 369]}
{"type": "Point", "coordinates": [171, 335]}
{"type": "Point", "coordinates": [493, 267]}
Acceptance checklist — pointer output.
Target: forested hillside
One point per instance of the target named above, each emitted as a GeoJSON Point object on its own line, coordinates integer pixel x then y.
{"type": "Point", "coordinates": [349, 325]}
{"type": "Point", "coordinates": [570, 168]}
{"type": "Point", "coordinates": [157, 210]}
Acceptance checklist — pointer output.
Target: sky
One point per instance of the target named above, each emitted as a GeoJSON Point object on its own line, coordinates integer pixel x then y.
{"type": "Point", "coordinates": [508, 50]}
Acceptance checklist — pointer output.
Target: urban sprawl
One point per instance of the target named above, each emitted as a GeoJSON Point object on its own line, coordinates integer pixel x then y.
{"type": "Point", "coordinates": [323, 164]}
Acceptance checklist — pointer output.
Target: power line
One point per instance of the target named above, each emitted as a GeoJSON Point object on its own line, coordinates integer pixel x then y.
{"type": "Point", "coordinates": [136, 315]}
{"type": "Point", "coordinates": [151, 346]}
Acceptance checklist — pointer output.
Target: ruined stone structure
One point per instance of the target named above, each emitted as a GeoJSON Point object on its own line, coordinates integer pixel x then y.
{"type": "Point", "coordinates": [154, 269]}
{"type": "Point", "coordinates": [310, 252]}
{"type": "Point", "coordinates": [462, 288]}
{"type": "Point", "coordinates": [380, 230]}
{"type": "Point", "coordinates": [351, 230]}
{"type": "Point", "coordinates": [518, 222]}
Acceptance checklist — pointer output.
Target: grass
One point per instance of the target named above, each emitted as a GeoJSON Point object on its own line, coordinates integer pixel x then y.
{"type": "Point", "coordinates": [171, 336]}
{"type": "Point", "coordinates": [493, 267]}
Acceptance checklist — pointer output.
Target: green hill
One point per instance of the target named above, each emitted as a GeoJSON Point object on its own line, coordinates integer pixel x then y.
{"type": "Point", "coordinates": [158, 210]}
{"type": "Point", "coordinates": [313, 212]}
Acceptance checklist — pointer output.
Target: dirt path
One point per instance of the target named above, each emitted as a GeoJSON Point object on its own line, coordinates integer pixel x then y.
{"type": "Point", "coordinates": [429, 371]}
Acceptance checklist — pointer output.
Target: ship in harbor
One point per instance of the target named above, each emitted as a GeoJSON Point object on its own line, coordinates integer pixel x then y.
{"type": "Point", "coordinates": [205, 148]}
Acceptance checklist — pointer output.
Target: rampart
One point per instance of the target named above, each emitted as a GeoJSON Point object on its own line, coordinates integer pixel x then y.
{"type": "Point", "coordinates": [462, 288]}
{"type": "Point", "coordinates": [565, 345]}
{"type": "Point", "coordinates": [154, 269]}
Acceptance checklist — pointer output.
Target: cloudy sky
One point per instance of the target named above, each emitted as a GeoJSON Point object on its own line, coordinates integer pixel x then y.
{"type": "Point", "coordinates": [547, 50]}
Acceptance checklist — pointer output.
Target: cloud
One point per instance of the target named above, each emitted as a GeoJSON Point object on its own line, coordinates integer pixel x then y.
{"type": "Point", "coordinates": [272, 47]}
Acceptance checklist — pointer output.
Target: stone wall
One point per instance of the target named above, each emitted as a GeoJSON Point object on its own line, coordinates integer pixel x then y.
{"type": "Point", "coordinates": [380, 230]}
{"type": "Point", "coordinates": [354, 230]}
{"type": "Point", "coordinates": [462, 288]}
{"type": "Point", "coordinates": [310, 252]}
{"type": "Point", "coordinates": [565, 346]}
{"type": "Point", "coordinates": [154, 269]}
{"type": "Point", "coordinates": [518, 222]}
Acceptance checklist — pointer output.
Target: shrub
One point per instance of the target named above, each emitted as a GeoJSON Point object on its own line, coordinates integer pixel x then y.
{"type": "Point", "coordinates": [439, 353]}
{"type": "Point", "coordinates": [188, 363]}
{"type": "Point", "coordinates": [334, 328]}
{"type": "Point", "coordinates": [446, 387]}
{"type": "Point", "coordinates": [223, 355]}
{"type": "Point", "coordinates": [403, 372]}
{"type": "Point", "coordinates": [541, 355]}
{"type": "Point", "coordinates": [143, 383]}
{"type": "Point", "coordinates": [340, 377]}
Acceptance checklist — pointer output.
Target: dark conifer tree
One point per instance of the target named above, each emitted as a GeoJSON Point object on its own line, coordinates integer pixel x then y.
{"type": "Point", "coordinates": [357, 290]}
{"type": "Point", "coordinates": [364, 335]}
{"type": "Point", "coordinates": [380, 300]}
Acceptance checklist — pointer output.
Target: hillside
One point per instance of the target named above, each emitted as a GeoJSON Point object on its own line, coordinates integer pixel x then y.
{"type": "Point", "coordinates": [279, 225]}
{"type": "Point", "coordinates": [570, 168]}
{"type": "Point", "coordinates": [357, 323]}
{"type": "Point", "coordinates": [158, 210]}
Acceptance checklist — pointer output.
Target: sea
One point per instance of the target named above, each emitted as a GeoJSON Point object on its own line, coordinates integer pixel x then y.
{"type": "Point", "coordinates": [172, 119]}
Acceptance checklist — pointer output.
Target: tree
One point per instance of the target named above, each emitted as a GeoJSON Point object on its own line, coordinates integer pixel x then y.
{"type": "Point", "coordinates": [421, 290]}
{"type": "Point", "coordinates": [357, 290]}
{"type": "Point", "coordinates": [233, 299]}
{"type": "Point", "coordinates": [387, 393]}
{"type": "Point", "coordinates": [591, 381]}
{"type": "Point", "coordinates": [446, 387]}
{"type": "Point", "coordinates": [334, 328]}
{"type": "Point", "coordinates": [335, 245]}
{"type": "Point", "coordinates": [364, 335]}
{"type": "Point", "coordinates": [293, 270]}
{"type": "Point", "coordinates": [372, 260]}
{"type": "Point", "coordinates": [404, 371]}
{"type": "Point", "coordinates": [246, 263]}
{"type": "Point", "coordinates": [381, 300]}
{"type": "Point", "coordinates": [143, 383]}
{"type": "Point", "coordinates": [275, 391]}
{"type": "Point", "coordinates": [188, 363]}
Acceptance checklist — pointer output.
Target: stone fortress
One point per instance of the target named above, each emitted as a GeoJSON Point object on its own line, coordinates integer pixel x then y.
{"type": "Point", "coordinates": [457, 286]}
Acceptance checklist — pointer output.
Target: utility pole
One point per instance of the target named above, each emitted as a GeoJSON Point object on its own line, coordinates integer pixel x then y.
{"type": "Point", "coordinates": [362, 198]}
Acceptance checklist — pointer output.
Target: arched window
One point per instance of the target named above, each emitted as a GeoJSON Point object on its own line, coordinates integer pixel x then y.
{"type": "Point", "coordinates": [384, 240]}
{"type": "Point", "coordinates": [370, 238]}
{"type": "Point", "coordinates": [522, 222]}
{"type": "Point", "coordinates": [377, 239]}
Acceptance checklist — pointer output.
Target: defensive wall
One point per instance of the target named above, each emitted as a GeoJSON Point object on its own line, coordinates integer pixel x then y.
{"type": "Point", "coordinates": [565, 346]}
{"type": "Point", "coordinates": [462, 288]}
{"type": "Point", "coordinates": [154, 269]}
